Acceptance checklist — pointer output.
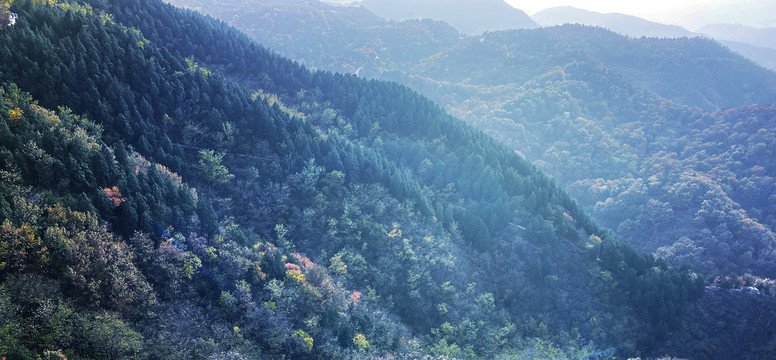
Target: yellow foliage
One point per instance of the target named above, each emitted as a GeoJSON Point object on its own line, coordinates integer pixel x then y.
{"type": "Point", "coordinates": [360, 341]}
{"type": "Point", "coordinates": [45, 2]}
{"type": "Point", "coordinates": [195, 68]}
{"type": "Point", "coordinates": [21, 247]}
{"type": "Point", "coordinates": [82, 9]}
{"type": "Point", "coordinates": [273, 99]}
{"type": "Point", "coordinates": [191, 265]}
{"type": "Point", "coordinates": [305, 338]}
{"type": "Point", "coordinates": [51, 117]}
{"type": "Point", "coordinates": [15, 114]}
{"type": "Point", "coordinates": [211, 253]}
{"type": "Point", "coordinates": [593, 241]}
{"type": "Point", "coordinates": [296, 275]}
{"type": "Point", "coordinates": [106, 18]}
{"type": "Point", "coordinates": [396, 232]}
{"type": "Point", "coordinates": [57, 213]}
{"type": "Point", "coordinates": [258, 274]}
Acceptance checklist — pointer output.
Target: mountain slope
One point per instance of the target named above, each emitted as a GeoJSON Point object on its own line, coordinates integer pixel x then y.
{"type": "Point", "coordinates": [603, 114]}
{"type": "Point", "coordinates": [470, 17]}
{"type": "Point", "coordinates": [314, 216]}
{"type": "Point", "coordinates": [402, 51]}
{"type": "Point", "coordinates": [522, 55]}
{"type": "Point", "coordinates": [288, 27]}
{"type": "Point", "coordinates": [619, 23]}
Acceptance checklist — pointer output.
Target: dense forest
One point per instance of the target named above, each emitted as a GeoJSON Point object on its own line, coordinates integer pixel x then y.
{"type": "Point", "coordinates": [696, 71]}
{"type": "Point", "coordinates": [631, 127]}
{"type": "Point", "coordinates": [172, 189]}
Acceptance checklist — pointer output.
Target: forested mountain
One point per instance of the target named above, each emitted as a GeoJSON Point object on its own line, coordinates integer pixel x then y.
{"type": "Point", "coordinates": [469, 16]}
{"type": "Point", "coordinates": [620, 23]}
{"type": "Point", "coordinates": [756, 44]}
{"type": "Point", "coordinates": [287, 25]}
{"type": "Point", "coordinates": [194, 195]}
{"type": "Point", "coordinates": [613, 119]}
{"type": "Point", "coordinates": [679, 70]}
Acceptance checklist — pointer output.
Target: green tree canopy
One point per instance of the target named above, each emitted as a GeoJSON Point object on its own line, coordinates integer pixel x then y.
{"type": "Point", "coordinates": [212, 170]}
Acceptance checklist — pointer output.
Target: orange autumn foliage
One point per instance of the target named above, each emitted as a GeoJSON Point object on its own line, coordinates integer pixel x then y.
{"type": "Point", "coordinates": [303, 260]}
{"type": "Point", "coordinates": [114, 195]}
{"type": "Point", "coordinates": [355, 296]}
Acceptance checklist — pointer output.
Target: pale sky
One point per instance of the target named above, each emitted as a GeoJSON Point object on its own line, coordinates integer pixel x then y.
{"type": "Point", "coordinates": [690, 14]}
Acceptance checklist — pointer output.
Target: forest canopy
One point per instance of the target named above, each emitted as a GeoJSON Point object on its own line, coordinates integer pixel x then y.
{"type": "Point", "coordinates": [171, 189]}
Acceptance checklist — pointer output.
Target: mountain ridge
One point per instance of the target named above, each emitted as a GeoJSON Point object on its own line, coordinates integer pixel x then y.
{"type": "Point", "coordinates": [760, 37]}
{"type": "Point", "coordinates": [468, 16]}
{"type": "Point", "coordinates": [620, 23]}
{"type": "Point", "coordinates": [749, 42]}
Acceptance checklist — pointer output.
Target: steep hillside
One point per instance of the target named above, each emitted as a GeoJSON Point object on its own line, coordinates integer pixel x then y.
{"type": "Point", "coordinates": [592, 109]}
{"type": "Point", "coordinates": [182, 214]}
{"type": "Point", "coordinates": [718, 320]}
{"type": "Point", "coordinates": [707, 192]}
{"type": "Point", "coordinates": [619, 23]}
{"type": "Point", "coordinates": [468, 16]}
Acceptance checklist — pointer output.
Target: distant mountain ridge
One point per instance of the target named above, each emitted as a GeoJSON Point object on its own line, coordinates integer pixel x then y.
{"type": "Point", "coordinates": [759, 45]}
{"type": "Point", "coordinates": [756, 44]}
{"type": "Point", "coordinates": [620, 23]}
{"type": "Point", "coordinates": [468, 16]}
{"type": "Point", "coordinates": [765, 38]}
{"type": "Point", "coordinates": [760, 55]}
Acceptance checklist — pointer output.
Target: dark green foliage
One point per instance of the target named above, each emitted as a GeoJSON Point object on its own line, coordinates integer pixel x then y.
{"type": "Point", "coordinates": [649, 286]}
{"type": "Point", "coordinates": [715, 318]}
